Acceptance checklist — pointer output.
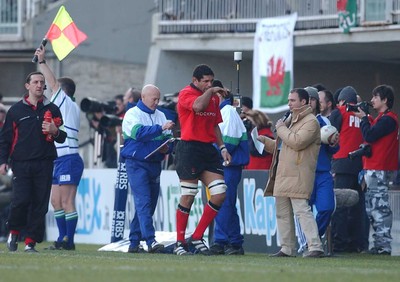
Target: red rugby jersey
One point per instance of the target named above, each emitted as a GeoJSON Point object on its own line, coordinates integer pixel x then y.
{"type": "Point", "coordinates": [197, 126]}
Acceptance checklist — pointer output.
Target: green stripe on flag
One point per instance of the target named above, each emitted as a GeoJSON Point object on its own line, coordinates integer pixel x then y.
{"type": "Point", "coordinates": [274, 95]}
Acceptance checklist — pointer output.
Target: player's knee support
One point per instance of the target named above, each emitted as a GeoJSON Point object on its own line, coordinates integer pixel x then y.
{"type": "Point", "coordinates": [217, 187]}
{"type": "Point", "coordinates": [189, 189]}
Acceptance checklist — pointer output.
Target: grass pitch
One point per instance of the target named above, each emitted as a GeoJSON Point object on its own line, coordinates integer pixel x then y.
{"type": "Point", "coordinates": [88, 264]}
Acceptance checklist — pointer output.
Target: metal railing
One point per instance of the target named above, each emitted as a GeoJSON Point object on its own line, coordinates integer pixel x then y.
{"type": "Point", "coordinates": [214, 16]}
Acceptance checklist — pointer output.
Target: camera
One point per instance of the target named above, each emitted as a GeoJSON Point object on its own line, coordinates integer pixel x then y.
{"type": "Point", "coordinates": [364, 150]}
{"type": "Point", "coordinates": [364, 105]}
{"type": "Point", "coordinates": [92, 105]}
{"type": "Point", "coordinates": [110, 121]}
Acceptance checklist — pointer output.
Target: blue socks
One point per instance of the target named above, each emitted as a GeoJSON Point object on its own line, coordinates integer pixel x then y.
{"type": "Point", "coordinates": [61, 224]}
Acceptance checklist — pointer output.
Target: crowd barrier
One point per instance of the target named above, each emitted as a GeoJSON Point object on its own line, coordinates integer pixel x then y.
{"type": "Point", "coordinates": [95, 207]}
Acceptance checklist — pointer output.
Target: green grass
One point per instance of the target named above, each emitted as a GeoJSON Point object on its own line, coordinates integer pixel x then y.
{"type": "Point", "coordinates": [88, 264]}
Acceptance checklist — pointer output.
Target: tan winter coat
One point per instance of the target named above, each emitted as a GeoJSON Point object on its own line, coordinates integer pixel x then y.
{"type": "Point", "coordinates": [292, 171]}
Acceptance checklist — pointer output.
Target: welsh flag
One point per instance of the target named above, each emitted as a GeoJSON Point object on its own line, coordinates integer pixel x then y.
{"type": "Point", "coordinates": [64, 35]}
{"type": "Point", "coordinates": [347, 10]}
{"type": "Point", "coordinates": [273, 63]}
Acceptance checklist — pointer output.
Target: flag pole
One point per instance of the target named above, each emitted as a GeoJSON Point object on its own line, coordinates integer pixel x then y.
{"type": "Point", "coordinates": [237, 99]}
{"type": "Point", "coordinates": [35, 57]}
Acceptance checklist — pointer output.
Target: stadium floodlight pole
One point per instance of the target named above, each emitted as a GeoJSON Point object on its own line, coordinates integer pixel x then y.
{"type": "Point", "coordinates": [237, 57]}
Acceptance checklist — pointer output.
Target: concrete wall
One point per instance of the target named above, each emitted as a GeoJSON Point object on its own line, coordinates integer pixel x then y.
{"type": "Point", "coordinates": [174, 71]}
{"type": "Point", "coordinates": [117, 30]}
{"type": "Point", "coordinates": [101, 79]}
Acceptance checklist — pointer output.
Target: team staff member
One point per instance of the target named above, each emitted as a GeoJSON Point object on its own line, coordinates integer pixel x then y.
{"type": "Point", "coordinates": [144, 129]}
{"type": "Point", "coordinates": [227, 237]}
{"type": "Point", "coordinates": [382, 134]}
{"type": "Point", "coordinates": [323, 196]}
{"type": "Point", "coordinates": [23, 143]}
{"type": "Point", "coordinates": [197, 158]}
{"type": "Point", "coordinates": [68, 167]}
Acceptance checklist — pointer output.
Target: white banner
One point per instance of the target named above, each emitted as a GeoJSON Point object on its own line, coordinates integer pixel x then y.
{"type": "Point", "coordinates": [273, 63]}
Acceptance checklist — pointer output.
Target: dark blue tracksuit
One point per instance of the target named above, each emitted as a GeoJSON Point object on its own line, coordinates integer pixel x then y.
{"type": "Point", "coordinates": [142, 129]}
{"type": "Point", "coordinates": [234, 135]}
{"type": "Point", "coordinates": [323, 196]}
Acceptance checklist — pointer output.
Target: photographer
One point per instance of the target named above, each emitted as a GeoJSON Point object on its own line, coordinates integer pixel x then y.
{"type": "Point", "coordinates": [101, 117]}
{"type": "Point", "coordinates": [348, 222]}
{"type": "Point", "coordinates": [380, 167]}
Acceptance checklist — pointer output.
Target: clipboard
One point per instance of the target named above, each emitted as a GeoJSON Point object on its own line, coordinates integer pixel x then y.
{"type": "Point", "coordinates": [159, 147]}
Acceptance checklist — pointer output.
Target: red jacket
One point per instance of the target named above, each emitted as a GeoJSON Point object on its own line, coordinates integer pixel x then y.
{"type": "Point", "coordinates": [384, 150]}
{"type": "Point", "coordinates": [261, 162]}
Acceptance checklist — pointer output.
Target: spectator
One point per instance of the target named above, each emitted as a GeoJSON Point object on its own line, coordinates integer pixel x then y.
{"type": "Point", "coordinates": [119, 106]}
{"type": "Point", "coordinates": [3, 113]}
{"type": "Point", "coordinates": [131, 97]}
{"type": "Point", "coordinates": [247, 104]}
{"type": "Point", "coordinates": [5, 187]}
{"type": "Point", "coordinates": [263, 124]}
{"type": "Point", "coordinates": [327, 103]}
{"type": "Point", "coordinates": [319, 86]}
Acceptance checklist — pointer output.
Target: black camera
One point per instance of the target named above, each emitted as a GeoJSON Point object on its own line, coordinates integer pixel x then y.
{"type": "Point", "coordinates": [364, 105]}
{"type": "Point", "coordinates": [92, 105]}
{"type": "Point", "coordinates": [110, 120]}
{"type": "Point", "coordinates": [364, 150]}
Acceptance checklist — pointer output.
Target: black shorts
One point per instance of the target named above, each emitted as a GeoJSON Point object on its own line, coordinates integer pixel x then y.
{"type": "Point", "coordinates": [192, 158]}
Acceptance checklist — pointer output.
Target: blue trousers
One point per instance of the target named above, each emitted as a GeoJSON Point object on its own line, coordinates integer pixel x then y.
{"type": "Point", "coordinates": [227, 226]}
{"type": "Point", "coordinates": [323, 198]}
{"type": "Point", "coordinates": [144, 179]}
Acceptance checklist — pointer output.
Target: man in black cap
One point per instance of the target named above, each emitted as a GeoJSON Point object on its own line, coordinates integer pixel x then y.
{"type": "Point", "coordinates": [347, 222]}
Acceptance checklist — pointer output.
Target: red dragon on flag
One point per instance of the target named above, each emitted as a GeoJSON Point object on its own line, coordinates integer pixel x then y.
{"type": "Point", "coordinates": [275, 76]}
{"type": "Point", "coordinates": [341, 5]}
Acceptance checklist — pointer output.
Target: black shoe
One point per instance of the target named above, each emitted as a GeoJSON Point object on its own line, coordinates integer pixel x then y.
{"type": "Point", "coordinates": [181, 249]}
{"type": "Point", "coordinates": [136, 250]}
{"type": "Point", "coordinates": [155, 247]}
{"type": "Point", "coordinates": [280, 254]}
{"type": "Point", "coordinates": [234, 250]}
{"type": "Point", "coordinates": [56, 246]}
{"type": "Point", "coordinates": [217, 249]}
{"type": "Point", "coordinates": [198, 247]}
{"type": "Point", "coordinates": [314, 254]}
{"type": "Point", "coordinates": [12, 242]}
{"type": "Point", "coordinates": [30, 248]}
{"type": "Point", "coordinates": [67, 246]}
